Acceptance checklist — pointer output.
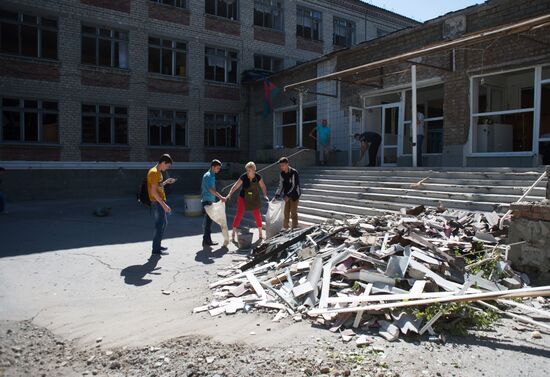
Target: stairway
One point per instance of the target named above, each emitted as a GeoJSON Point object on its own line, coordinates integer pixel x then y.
{"type": "Point", "coordinates": [336, 192]}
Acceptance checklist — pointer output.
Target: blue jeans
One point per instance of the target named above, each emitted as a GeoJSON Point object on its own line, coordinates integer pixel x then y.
{"type": "Point", "coordinates": [206, 224]}
{"type": "Point", "coordinates": [1, 202]}
{"type": "Point", "coordinates": [419, 141]}
{"type": "Point", "coordinates": [161, 221]}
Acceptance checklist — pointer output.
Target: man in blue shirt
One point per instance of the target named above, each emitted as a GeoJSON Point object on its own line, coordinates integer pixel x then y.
{"type": "Point", "coordinates": [209, 195]}
{"type": "Point", "coordinates": [323, 135]}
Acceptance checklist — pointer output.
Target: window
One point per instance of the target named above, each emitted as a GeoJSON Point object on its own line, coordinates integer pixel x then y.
{"type": "Point", "coordinates": [223, 8]}
{"type": "Point", "coordinates": [269, 13]}
{"type": "Point", "coordinates": [173, 3]}
{"type": "Point", "coordinates": [430, 105]}
{"type": "Point", "coordinates": [220, 65]}
{"type": "Point", "coordinates": [167, 127]}
{"type": "Point", "coordinates": [308, 24]}
{"type": "Point", "coordinates": [502, 112]}
{"type": "Point", "coordinates": [29, 121]}
{"type": "Point", "coordinates": [221, 130]}
{"type": "Point", "coordinates": [344, 32]}
{"type": "Point", "coordinates": [104, 47]}
{"type": "Point", "coordinates": [104, 124]}
{"type": "Point", "coordinates": [286, 129]}
{"type": "Point", "coordinates": [28, 35]}
{"type": "Point", "coordinates": [268, 63]}
{"type": "Point", "coordinates": [167, 57]}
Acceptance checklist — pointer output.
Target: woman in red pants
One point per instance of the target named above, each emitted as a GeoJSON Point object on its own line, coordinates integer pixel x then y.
{"type": "Point", "coordinates": [249, 198]}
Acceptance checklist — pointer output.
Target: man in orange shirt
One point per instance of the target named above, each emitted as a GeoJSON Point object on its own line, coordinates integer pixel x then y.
{"type": "Point", "coordinates": [157, 196]}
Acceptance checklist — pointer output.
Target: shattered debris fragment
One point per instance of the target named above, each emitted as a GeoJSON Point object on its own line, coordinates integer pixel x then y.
{"type": "Point", "coordinates": [379, 272]}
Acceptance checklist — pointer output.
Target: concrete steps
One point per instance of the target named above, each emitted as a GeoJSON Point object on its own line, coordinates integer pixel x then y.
{"type": "Point", "coordinates": [335, 192]}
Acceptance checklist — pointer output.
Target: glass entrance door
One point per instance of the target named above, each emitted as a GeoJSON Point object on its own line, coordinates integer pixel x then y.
{"type": "Point", "coordinates": [390, 134]}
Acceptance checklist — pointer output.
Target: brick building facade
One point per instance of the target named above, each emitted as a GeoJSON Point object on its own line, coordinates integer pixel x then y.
{"type": "Point", "coordinates": [126, 80]}
{"type": "Point", "coordinates": [486, 104]}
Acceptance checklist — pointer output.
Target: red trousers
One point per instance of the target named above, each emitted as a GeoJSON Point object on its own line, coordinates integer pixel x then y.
{"type": "Point", "coordinates": [240, 213]}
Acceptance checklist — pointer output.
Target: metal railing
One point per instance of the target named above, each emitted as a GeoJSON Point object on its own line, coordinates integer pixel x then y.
{"type": "Point", "coordinates": [269, 166]}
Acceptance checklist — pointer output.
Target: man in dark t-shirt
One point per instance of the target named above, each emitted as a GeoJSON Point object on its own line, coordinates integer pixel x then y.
{"type": "Point", "coordinates": [369, 141]}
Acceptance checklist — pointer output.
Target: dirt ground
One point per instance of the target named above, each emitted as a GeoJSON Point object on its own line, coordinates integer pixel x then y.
{"type": "Point", "coordinates": [79, 296]}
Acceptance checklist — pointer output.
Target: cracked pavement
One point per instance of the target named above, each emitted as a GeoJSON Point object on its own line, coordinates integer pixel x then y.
{"type": "Point", "coordinates": [85, 277]}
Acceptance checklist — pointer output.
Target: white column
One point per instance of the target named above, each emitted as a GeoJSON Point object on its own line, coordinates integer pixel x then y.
{"type": "Point", "coordinates": [413, 115]}
{"type": "Point", "coordinates": [300, 118]}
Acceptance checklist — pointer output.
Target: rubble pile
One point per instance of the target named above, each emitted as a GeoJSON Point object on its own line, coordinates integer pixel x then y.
{"type": "Point", "coordinates": [409, 273]}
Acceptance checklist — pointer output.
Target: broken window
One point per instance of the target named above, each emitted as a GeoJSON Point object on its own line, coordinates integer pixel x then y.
{"type": "Point", "coordinates": [167, 127]}
{"type": "Point", "coordinates": [503, 112]}
{"type": "Point", "coordinates": [344, 32]}
{"type": "Point", "coordinates": [28, 35]}
{"type": "Point", "coordinates": [30, 121]}
{"type": "Point", "coordinates": [268, 63]}
{"type": "Point", "coordinates": [308, 23]}
{"type": "Point", "coordinates": [104, 124]}
{"type": "Point", "coordinates": [167, 57]}
{"type": "Point", "coordinates": [430, 105]}
{"type": "Point", "coordinates": [104, 47]}
{"type": "Point", "coordinates": [220, 65]}
{"type": "Point", "coordinates": [269, 14]}
{"type": "Point", "coordinates": [223, 8]}
{"type": "Point", "coordinates": [221, 130]}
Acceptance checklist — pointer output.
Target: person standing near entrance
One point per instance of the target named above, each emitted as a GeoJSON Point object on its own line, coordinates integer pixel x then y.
{"type": "Point", "coordinates": [209, 195]}
{"type": "Point", "coordinates": [369, 141]}
{"type": "Point", "coordinates": [249, 197]}
{"type": "Point", "coordinates": [157, 196]}
{"type": "Point", "coordinates": [289, 189]}
{"type": "Point", "coordinates": [419, 137]}
{"type": "Point", "coordinates": [323, 135]}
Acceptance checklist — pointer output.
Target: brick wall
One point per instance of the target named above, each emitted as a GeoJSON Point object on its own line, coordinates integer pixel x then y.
{"type": "Point", "coordinates": [168, 13]}
{"type": "Point", "coordinates": [102, 153]}
{"type": "Point", "coordinates": [71, 83]}
{"type": "Point", "coordinates": [118, 5]}
{"type": "Point", "coordinates": [30, 153]}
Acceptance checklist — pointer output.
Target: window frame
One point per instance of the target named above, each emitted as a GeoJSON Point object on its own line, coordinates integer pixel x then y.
{"type": "Point", "coordinates": [215, 125]}
{"type": "Point", "coordinates": [272, 62]}
{"type": "Point", "coordinates": [535, 111]}
{"type": "Point", "coordinates": [112, 41]}
{"type": "Point", "coordinates": [39, 33]}
{"type": "Point", "coordinates": [274, 6]}
{"type": "Point", "coordinates": [173, 121]}
{"type": "Point", "coordinates": [227, 63]}
{"type": "Point", "coordinates": [176, 2]}
{"type": "Point", "coordinates": [302, 14]}
{"type": "Point", "coordinates": [21, 109]}
{"type": "Point", "coordinates": [112, 117]}
{"type": "Point", "coordinates": [174, 51]}
{"type": "Point", "coordinates": [349, 27]}
{"type": "Point", "coordinates": [217, 10]}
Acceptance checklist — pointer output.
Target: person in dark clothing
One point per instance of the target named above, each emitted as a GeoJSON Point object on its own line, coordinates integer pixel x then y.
{"type": "Point", "coordinates": [289, 189]}
{"type": "Point", "coordinates": [369, 141]}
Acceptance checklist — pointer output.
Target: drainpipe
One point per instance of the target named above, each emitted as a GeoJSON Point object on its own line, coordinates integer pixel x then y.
{"type": "Point", "coordinates": [548, 182]}
{"type": "Point", "coordinates": [413, 115]}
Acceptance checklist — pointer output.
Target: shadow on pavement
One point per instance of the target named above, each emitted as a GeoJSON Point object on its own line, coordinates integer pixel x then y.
{"type": "Point", "coordinates": [135, 275]}
{"type": "Point", "coordinates": [36, 227]}
{"type": "Point", "coordinates": [207, 254]}
{"type": "Point", "coordinates": [496, 343]}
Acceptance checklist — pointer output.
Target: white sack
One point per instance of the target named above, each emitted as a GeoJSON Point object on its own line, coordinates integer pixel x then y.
{"type": "Point", "coordinates": [274, 217]}
{"type": "Point", "coordinates": [216, 212]}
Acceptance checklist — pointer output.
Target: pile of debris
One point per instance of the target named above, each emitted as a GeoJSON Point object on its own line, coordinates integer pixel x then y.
{"type": "Point", "coordinates": [398, 273]}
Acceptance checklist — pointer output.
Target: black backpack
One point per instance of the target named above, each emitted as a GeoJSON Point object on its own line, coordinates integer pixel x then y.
{"type": "Point", "coordinates": [143, 193]}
